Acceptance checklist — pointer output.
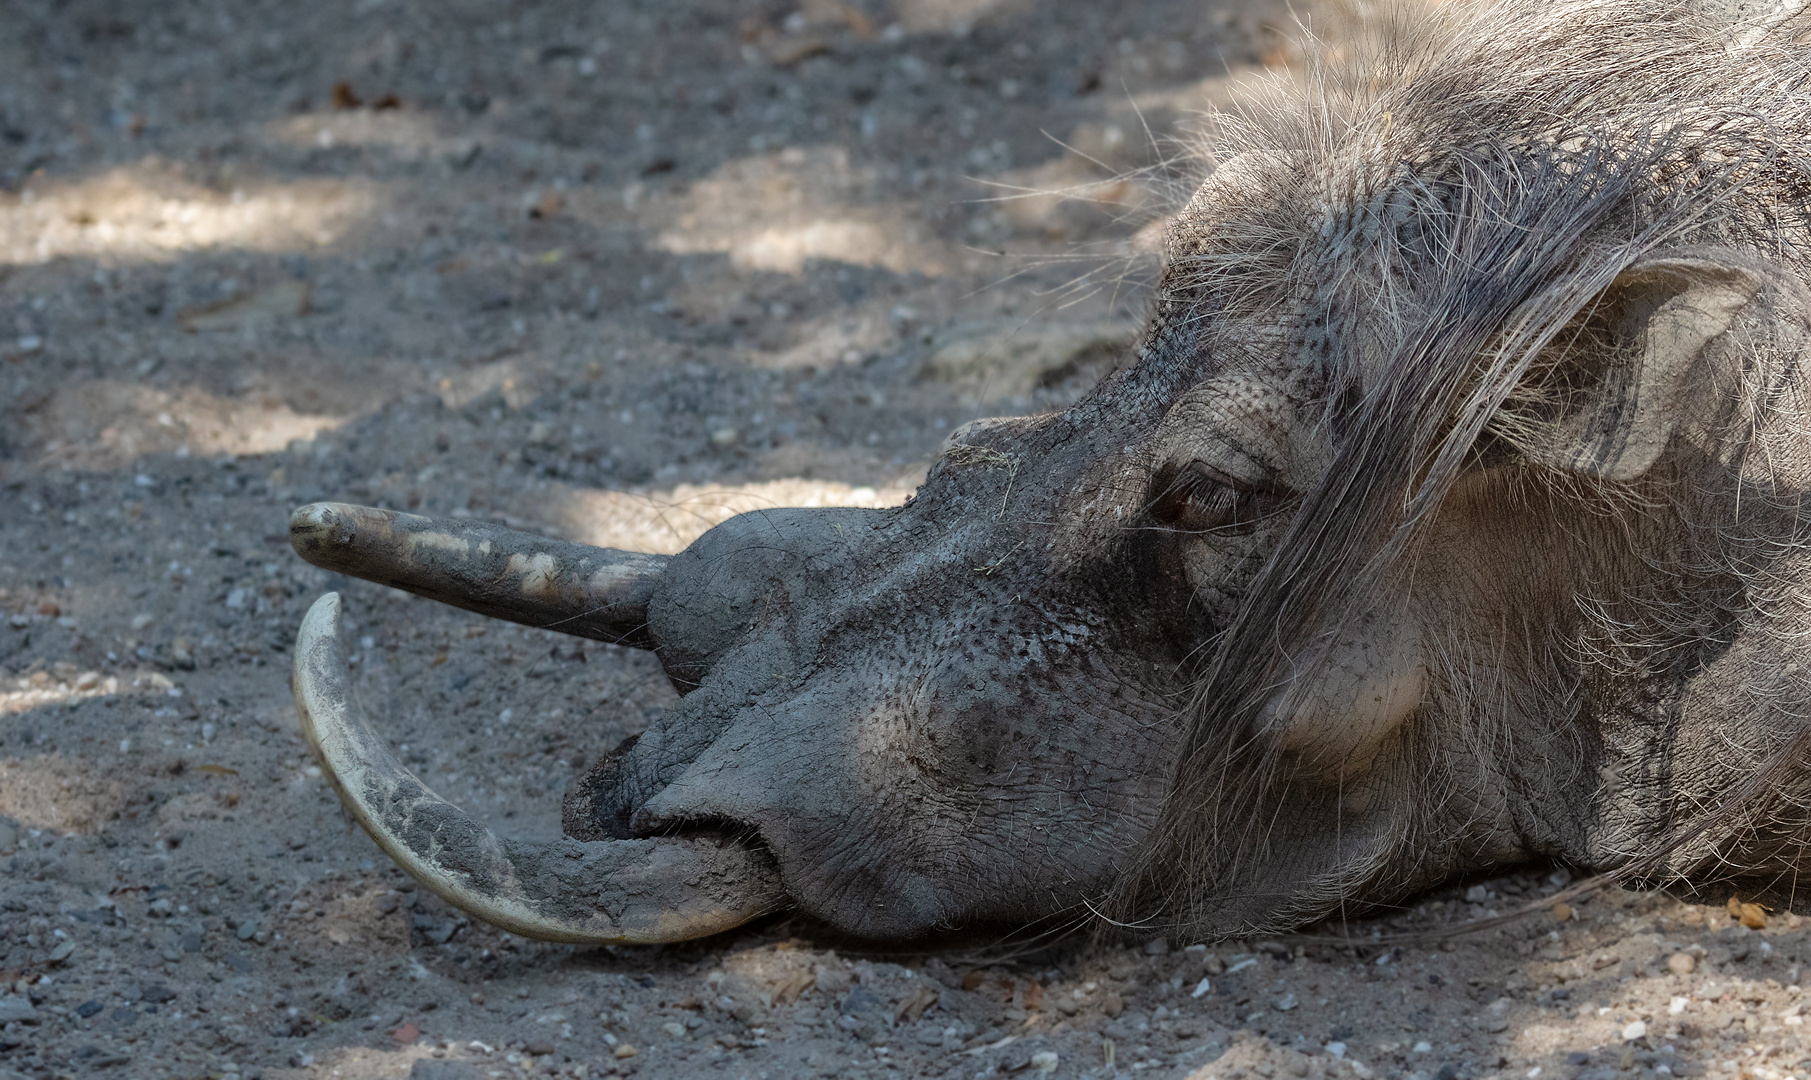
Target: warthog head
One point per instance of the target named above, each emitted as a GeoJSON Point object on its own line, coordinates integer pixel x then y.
{"type": "Point", "coordinates": [1451, 513]}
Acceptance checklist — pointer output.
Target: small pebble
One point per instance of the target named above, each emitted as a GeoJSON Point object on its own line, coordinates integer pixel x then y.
{"type": "Point", "coordinates": [1636, 1030]}
{"type": "Point", "coordinates": [1113, 1005]}
{"type": "Point", "coordinates": [1682, 963]}
{"type": "Point", "coordinates": [541, 1047]}
{"type": "Point", "coordinates": [16, 1008]}
{"type": "Point", "coordinates": [88, 1008]}
{"type": "Point", "coordinates": [246, 929]}
{"type": "Point", "coordinates": [624, 1050]}
{"type": "Point", "coordinates": [1156, 947]}
{"type": "Point", "coordinates": [1045, 1061]}
{"type": "Point", "coordinates": [62, 952]}
{"type": "Point", "coordinates": [673, 1028]}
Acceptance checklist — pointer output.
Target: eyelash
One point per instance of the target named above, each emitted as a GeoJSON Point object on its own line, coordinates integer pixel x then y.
{"type": "Point", "coordinates": [1199, 499]}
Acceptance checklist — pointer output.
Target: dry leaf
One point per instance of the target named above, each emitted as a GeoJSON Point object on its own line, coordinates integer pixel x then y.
{"type": "Point", "coordinates": [282, 299]}
{"type": "Point", "coordinates": [915, 1006]}
{"type": "Point", "coordinates": [973, 980]}
{"type": "Point", "coordinates": [794, 985]}
{"type": "Point", "coordinates": [788, 53]}
{"type": "Point", "coordinates": [1034, 995]}
{"type": "Point", "coordinates": [343, 96]}
{"type": "Point", "coordinates": [1753, 916]}
{"type": "Point", "coordinates": [858, 22]}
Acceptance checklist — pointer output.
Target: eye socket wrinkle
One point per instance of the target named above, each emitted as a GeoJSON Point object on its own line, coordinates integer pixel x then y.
{"type": "Point", "coordinates": [1198, 498]}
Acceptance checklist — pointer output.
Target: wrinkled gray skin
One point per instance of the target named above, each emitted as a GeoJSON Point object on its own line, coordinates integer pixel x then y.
{"type": "Point", "coordinates": [1060, 677]}
{"type": "Point", "coordinates": [933, 715]}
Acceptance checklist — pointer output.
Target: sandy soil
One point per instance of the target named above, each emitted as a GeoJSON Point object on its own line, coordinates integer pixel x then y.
{"type": "Point", "coordinates": [611, 271]}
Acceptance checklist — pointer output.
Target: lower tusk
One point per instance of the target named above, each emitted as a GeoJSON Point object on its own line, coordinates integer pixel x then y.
{"type": "Point", "coordinates": [601, 892]}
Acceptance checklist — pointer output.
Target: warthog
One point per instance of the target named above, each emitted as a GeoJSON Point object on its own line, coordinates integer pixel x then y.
{"type": "Point", "coordinates": [1451, 513]}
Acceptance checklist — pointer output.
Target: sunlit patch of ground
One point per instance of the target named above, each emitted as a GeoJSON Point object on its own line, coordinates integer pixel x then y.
{"type": "Point", "coordinates": [460, 388]}
{"type": "Point", "coordinates": [40, 688]}
{"type": "Point", "coordinates": [776, 212]}
{"type": "Point", "coordinates": [147, 213]}
{"type": "Point", "coordinates": [665, 522]}
{"type": "Point", "coordinates": [56, 792]}
{"type": "Point", "coordinates": [946, 16]}
{"type": "Point", "coordinates": [105, 423]}
{"type": "Point", "coordinates": [408, 133]}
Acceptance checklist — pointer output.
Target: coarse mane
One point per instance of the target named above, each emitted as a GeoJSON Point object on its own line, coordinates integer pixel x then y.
{"type": "Point", "coordinates": [1422, 217]}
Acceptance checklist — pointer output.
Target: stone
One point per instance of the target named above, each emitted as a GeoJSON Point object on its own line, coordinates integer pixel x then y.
{"type": "Point", "coordinates": [247, 929]}
{"type": "Point", "coordinates": [88, 1008]}
{"type": "Point", "coordinates": [438, 1069]}
{"type": "Point", "coordinates": [1156, 947]}
{"type": "Point", "coordinates": [1113, 1005]}
{"type": "Point", "coordinates": [62, 952]}
{"type": "Point", "coordinates": [624, 1050]}
{"type": "Point", "coordinates": [17, 1007]}
{"type": "Point", "coordinates": [1682, 963]}
{"type": "Point", "coordinates": [1636, 1030]}
{"type": "Point", "coordinates": [1045, 1061]}
{"type": "Point", "coordinates": [543, 1047]}
{"type": "Point", "coordinates": [157, 993]}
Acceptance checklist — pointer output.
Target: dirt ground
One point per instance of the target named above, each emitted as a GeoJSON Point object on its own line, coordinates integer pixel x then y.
{"type": "Point", "coordinates": [614, 272]}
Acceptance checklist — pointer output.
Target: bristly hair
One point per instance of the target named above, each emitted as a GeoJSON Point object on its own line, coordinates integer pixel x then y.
{"type": "Point", "coordinates": [1422, 221]}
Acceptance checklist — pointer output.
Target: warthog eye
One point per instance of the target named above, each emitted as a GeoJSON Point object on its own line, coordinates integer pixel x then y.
{"type": "Point", "coordinates": [1198, 498]}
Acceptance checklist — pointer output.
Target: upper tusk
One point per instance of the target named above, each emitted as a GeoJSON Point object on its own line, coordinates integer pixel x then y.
{"type": "Point", "coordinates": [601, 892]}
{"type": "Point", "coordinates": [590, 592]}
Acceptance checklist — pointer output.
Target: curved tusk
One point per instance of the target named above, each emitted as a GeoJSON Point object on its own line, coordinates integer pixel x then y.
{"type": "Point", "coordinates": [589, 592]}
{"type": "Point", "coordinates": [602, 892]}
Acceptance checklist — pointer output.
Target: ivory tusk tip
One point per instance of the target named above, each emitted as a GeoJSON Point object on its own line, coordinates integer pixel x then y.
{"type": "Point", "coordinates": [314, 522]}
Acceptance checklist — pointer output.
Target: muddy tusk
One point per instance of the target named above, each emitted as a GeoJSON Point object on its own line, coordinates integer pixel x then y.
{"type": "Point", "coordinates": [600, 892]}
{"type": "Point", "coordinates": [590, 592]}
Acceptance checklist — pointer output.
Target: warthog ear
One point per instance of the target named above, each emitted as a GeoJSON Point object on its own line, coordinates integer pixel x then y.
{"type": "Point", "coordinates": [1613, 386]}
